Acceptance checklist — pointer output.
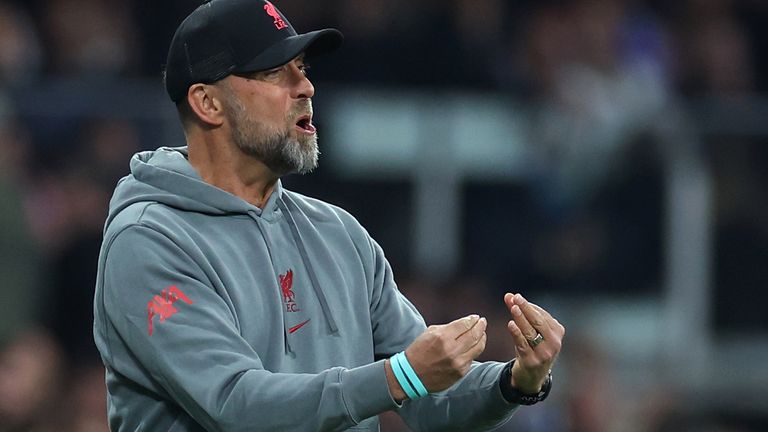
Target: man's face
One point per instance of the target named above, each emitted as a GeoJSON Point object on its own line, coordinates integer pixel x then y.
{"type": "Point", "coordinates": [270, 114]}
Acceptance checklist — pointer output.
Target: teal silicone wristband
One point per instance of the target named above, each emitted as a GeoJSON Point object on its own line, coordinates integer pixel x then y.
{"type": "Point", "coordinates": [394, 361]}
{"type": "Point", "coordinates": [411, 375]}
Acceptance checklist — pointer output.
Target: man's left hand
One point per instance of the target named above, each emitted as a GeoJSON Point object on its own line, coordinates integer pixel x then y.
{"type": "Point", "coordinates": [538, 338]}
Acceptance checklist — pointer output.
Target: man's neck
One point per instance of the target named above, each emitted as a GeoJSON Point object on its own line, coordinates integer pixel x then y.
{"type": "Point", "coordinates": [229, 169]}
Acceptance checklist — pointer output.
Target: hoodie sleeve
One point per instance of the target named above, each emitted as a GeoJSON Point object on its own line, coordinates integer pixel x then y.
{"type": "Point", "coordinates": [178, 338]}
{"type": "Point", "coordinates": [474, 403]}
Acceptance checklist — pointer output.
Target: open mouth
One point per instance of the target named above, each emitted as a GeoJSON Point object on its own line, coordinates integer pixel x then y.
{"type": "Point", "coordinates": [304, 123]}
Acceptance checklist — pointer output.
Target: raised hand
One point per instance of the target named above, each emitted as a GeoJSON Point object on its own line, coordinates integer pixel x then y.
{"type": "Point", "coordinates": [443, 353]}
{"type": "Point", "coordinates": [538, 339]}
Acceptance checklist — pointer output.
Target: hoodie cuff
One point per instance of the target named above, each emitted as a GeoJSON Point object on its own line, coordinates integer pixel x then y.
{"type": "Point", "coordinates": [366, 392]}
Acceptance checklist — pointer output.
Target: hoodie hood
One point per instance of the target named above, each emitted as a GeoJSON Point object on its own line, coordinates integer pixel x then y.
{"type": "Point", "coordinates": [166, 176]}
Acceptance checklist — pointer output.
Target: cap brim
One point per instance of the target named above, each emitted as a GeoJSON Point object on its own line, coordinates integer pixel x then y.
{"type": "Point", "coordinates": [311, 43]}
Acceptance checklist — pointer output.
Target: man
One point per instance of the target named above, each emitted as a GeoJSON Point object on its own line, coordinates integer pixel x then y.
{"type": "Point", "coordinates": [227, 303]}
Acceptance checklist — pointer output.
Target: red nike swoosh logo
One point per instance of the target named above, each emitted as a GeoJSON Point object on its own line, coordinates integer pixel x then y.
{"type": "Point", "coordinates": [297, 326]}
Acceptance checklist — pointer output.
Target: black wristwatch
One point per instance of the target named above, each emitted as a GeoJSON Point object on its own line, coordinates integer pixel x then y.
{"type": "Point", "coordinates": [513, 395]}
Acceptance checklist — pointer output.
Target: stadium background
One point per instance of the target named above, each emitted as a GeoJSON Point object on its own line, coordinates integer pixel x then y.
{"type": "Point", "coordinates": [604, 157]}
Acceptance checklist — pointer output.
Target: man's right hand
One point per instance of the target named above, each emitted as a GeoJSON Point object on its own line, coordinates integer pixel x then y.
{"type": "Point", "coordinates": [443, 354]}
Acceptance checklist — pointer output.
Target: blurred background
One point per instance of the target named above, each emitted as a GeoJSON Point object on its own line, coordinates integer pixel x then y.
{"type": "Point", "coordinates": [603, 157]}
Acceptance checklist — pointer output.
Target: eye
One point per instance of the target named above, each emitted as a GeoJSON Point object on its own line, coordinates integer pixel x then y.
{"type": "Point", "coordinates": [304, 68]}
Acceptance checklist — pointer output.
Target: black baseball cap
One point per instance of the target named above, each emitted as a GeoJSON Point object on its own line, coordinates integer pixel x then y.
{"type": "Point", "coordinates": [223, 37]}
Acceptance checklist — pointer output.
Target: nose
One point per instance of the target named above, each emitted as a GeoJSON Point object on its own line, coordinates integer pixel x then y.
{"type": "Point", "coordinates": [302, 86]}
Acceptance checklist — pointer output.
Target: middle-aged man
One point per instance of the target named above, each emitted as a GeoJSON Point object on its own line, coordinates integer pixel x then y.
{"type": "Point", "coordinates": [227, 303]}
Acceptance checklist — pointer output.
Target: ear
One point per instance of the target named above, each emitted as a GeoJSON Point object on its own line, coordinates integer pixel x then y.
{"type": "Point", "coordinates": [204, 101]}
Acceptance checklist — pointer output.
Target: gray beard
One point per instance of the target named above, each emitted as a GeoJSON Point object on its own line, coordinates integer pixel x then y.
{"type": "Point", "coordinates": [276, 149]}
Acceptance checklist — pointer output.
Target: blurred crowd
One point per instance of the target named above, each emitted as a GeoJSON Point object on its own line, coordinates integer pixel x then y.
{"type": "Point", "coordinates": [596, 75]}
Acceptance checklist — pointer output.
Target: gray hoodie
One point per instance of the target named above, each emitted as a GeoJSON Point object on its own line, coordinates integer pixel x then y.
{"type": "Point", "coordinates": [213, 314]}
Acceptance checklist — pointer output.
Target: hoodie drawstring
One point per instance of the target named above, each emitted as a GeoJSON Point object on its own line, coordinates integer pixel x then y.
{"type": "Point", "coordinates": [308, 263]}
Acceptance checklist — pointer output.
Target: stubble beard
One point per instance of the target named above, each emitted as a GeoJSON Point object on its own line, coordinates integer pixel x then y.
{"type": "Point", "coordinates": [277, 149]}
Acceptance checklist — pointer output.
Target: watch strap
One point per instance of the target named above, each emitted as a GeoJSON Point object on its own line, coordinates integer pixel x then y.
{"type": "Point", "coordinates": [515, 396]}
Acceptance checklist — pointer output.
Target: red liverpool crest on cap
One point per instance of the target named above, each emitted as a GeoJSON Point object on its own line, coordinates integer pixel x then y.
{"type": "Point", "coordinates": [278, 20]}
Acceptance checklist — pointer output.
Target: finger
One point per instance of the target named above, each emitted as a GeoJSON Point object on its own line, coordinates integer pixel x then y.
{"type": "Point", "coordinates": [522, 323]}
{"type": "Point", "coordinates": [470, 338]}
{"type": "Point", "coordinates": [509, 300]}
{"type": "Point", "coordinates": [521, 343]}
{"type": "Point", "coordinates": [534, 318]}
{"type": "Point", "coordinates": [458, 327]}
{"type": "Point", "coordinates": [551, 321]}
{"type": "Point", "coordinates": [474, 352]}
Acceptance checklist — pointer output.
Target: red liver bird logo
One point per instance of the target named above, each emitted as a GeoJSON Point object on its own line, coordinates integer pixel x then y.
{"type": "Point", "coordinates": [286, 282]}
{"type": "Point", "coordinates": [278, 20]}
